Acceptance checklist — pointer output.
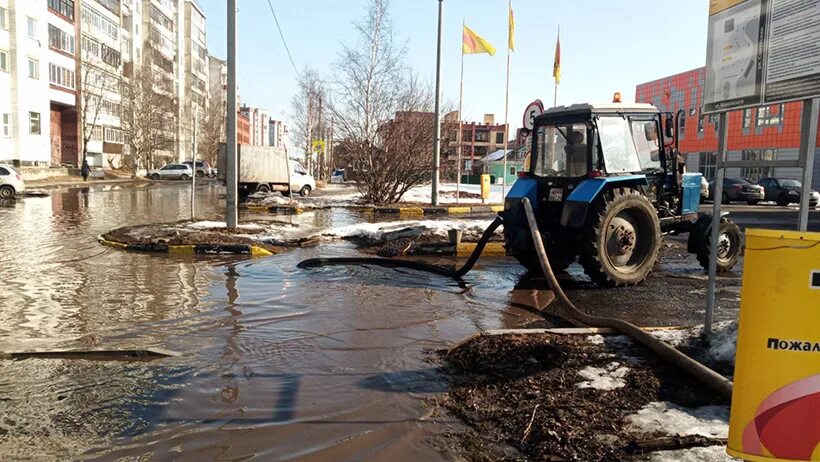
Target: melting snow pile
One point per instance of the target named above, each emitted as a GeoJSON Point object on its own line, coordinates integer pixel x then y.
{"type": "Point", "coordinates": [379, 231]}
{"type": "Point", "coordinates": [604, 378]}
{"type": "Point", "coordinates": [720, 347]}
{"type": "Point", "coordinates": [707, 454]}
{"type": "Point", "coordinates": [670, 419]}
{"type": "Point", "coordinates": [221, 224]}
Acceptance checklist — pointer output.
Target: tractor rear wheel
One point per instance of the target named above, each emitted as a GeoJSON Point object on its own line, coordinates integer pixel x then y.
{"type": "Point", "coordinates": [621, 240]}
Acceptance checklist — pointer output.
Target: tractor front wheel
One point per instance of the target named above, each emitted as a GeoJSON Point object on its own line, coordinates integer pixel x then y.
{"type": "Point", "coordinates": [728, 250]}
{"type": "Point", "coordinates": [621, 240]}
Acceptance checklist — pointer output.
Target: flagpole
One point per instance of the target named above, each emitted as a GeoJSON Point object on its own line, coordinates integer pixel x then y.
{"type": "Point", "coordinates": [555, 95]}
{"type": "Point", "coordinates": [507, 104]}
{"type": "Point", "coordinates": [460, 118]}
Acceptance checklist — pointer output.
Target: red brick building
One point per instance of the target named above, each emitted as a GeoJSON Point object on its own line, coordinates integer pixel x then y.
{"type": "Point", "coordinates": [243, 129]}
{"type": "Point", "coordinates": [771, 132]}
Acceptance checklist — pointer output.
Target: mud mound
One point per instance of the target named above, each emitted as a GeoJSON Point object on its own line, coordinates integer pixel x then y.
{"type": "Point", "coordinates": [521, 397]}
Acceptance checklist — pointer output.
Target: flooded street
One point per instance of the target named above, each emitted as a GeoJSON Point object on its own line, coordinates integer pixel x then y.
{"type": "Point", "coordinates": [276, 363]}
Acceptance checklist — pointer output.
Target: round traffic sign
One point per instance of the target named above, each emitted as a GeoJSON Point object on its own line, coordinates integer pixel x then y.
{"type": "Point", "coordinates": [533, 110]}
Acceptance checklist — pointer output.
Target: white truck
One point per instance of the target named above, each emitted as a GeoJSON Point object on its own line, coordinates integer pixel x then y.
{"type": "Point", "coordinates": [266, 168]}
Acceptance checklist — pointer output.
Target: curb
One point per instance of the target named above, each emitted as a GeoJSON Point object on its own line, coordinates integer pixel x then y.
{"type": "Point", "coordinates": [456, 210]}
{"type": "Point", "coordinates": [198, 249]}
{"type": "Point", "coordinates": [273, 209]}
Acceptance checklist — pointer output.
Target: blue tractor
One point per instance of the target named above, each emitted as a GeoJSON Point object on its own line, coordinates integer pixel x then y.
{"type": "Point", "coordinates": [606, 182]}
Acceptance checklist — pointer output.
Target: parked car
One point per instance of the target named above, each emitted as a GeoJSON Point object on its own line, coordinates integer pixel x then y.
{"type": "Point", "coordinates": [11, 182]}
{"type": "Point", "coordinates": [704, 189]}
{"type": "Point", "coordinates": [301, 180]}
{"type": "Point", "coordinates": [171, 172]}
{"type": "Point", "coordinates": [786, 191]}
{"type": "Point", "coordinates": [738, 189]}
{"type": "Point", "coordinates": [338, 176]}
{"type": "Point", "coordinates": [203, 169]}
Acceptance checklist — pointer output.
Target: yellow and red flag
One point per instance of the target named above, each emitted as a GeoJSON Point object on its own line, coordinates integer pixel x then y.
{"type": "Point", "coordinates": [474, 43]}
{"type": "Point", "coordinates": [556, 65]}
{"type": "Point", "coordinates": [512, 31]}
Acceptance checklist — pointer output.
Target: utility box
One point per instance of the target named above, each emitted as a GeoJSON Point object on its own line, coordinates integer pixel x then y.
{"type": "Point", "coordinates": [485, 186]}
{"type": "Point", "coordinates": [776, 399]}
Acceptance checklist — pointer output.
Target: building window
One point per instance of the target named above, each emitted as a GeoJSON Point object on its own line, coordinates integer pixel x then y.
{"type": "Point", "coordinates": [682, 123]}
{"type": "Point", "coordinates": [7, 125]}
{"type": "Point", "coordinates": [747, 118]}
{"type": "Point", "coordinates": [770, 115]}
{"type": "Point", "coordinates": [4, 18]}
{"type": "Point", "coordinates": [512, 170]}
{"type": "Point", "coordinates": [706, 164]}
{"type": "Point", "coordinates": [60, 40]}
{"type": "Point", "coordinates": [34, 123]}
{"type": "Point", "coordinates": [114, 135]}
{"type": "Point", "coordinates": [95, 20]}
{"type": "Point", "coordinates": [499, 138]}
{"type": "Point", "coordinates": [482, 136]}
{"type": "Point", "coordinates": [32, 27]}
{"type": "Point", "coordinates": [61, 76]}
{"type": "Point", "coordinates": [63, 7]}
{"type": "Point", "coordinates": [33, 69]}
{"type": "Point", "coordinates": [715, 120]}
{"type": "Point", "coordinates": [701, 120]}
{"type": "Point", "coordinates": [4, 60]}
{"type": "Point", "coordinates": [754, 174]}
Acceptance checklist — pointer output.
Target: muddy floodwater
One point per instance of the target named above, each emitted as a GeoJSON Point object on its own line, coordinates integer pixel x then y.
{"type": "Point", "coordinates": [276, 363]}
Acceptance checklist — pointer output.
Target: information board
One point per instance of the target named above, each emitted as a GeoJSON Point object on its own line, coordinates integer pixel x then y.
{"type": "Point", "coordinates": [761, 52]}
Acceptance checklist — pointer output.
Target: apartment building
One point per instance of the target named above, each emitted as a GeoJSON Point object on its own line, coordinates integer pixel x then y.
{"type": "Point", "coordinates": [100, 82]}
{"type": "Point", "coordinates": [24, 108]}
{"type": "Point", "coordinates": [63, 53]}
{"type": "Point", "coordinates": [195, 91]}
{"type": "Point", "coordinates": [278, 134]}
{"type": "Point", "coordinates": [477, 140]}
{"type": "Point", "coordinates": [259, 121]}
{"type": "Point", "coordinates": [766, 133]}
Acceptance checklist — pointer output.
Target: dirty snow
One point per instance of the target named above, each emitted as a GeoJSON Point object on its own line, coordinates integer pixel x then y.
{"type": "Point", "coordinates": [377, 231]}
{"type": "Point", "coordinates": [721, 346]}
{"type": "Point", "coordinates": [671, 419]}
{"type": "Point", "coordinates": [221, 224]}
{"type": "Point", "coordinates": [423, 194]}
{"type": "Point", "coordinates": [707, 454]}
{"type": "Point", "coordinates": [606, 378]}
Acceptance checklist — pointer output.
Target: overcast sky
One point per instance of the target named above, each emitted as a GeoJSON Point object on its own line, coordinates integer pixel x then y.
{"type": "Point", "coordinates": [606, 46]}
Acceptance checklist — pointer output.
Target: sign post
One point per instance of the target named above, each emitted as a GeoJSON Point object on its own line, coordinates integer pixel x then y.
{"type": "Point", "coordinates": [761, 52]}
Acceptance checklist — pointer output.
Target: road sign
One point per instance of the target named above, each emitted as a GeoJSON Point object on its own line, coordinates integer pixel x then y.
{"type": "Point", "coordinates": [318, 146]}
{"type": "Point", "coordinates": [533, 110]}
{"type": "Point", "coordinates": [761, 52]}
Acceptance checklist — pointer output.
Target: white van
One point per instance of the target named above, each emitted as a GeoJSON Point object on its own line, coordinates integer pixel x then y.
{"type": "Point", "coordinates": [301, 181]}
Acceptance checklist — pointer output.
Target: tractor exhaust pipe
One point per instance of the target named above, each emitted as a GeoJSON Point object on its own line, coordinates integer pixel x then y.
{"type": "Point", "coordinates": [705, 375]}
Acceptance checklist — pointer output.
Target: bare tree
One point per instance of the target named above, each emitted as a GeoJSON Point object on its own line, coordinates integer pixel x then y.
{"type": "Point", "coordinates": [307, 109]}
{"type": "Point", "coordinates": [373, 86]}
{"type": "Point", "coordinates": [211, 131]}
{"type": "Point", "coordinates": [148, 117]}
{"type": "Point", "coordinates": [95, 84]}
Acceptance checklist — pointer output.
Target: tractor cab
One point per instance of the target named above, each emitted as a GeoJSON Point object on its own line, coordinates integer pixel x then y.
{"type": "Point", "coordinates": [605, 182]}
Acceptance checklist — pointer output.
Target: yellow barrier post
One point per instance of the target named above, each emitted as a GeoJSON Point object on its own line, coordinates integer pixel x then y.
{"type": "Point", "coordinates": [485, 187]}
{"type": "Point", "coordinates": [776, 400]}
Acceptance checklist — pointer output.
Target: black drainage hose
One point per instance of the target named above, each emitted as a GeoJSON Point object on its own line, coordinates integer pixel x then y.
{"type": "Point", "coordinates": [707, 376]}
{"type": "Point", "coordinates": [416, 265]}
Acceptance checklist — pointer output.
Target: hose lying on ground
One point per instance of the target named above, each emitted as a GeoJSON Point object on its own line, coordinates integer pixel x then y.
{"type": "Point", "coordinates": [416, 265]}
{"type": "Point", "coordinates": [707, 376]}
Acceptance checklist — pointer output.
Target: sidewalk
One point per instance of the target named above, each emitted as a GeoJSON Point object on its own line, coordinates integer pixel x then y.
{"type": "Point", "coordinates": [62, 181]}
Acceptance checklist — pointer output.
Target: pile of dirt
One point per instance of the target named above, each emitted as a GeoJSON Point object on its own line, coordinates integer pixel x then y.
{"type": "Point", "coordinates": [520, 397]}
{"type": "Point", "coordinates": [179, 234]}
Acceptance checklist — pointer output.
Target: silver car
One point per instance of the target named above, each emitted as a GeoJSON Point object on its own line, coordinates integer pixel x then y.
{"type": "Point", "coordinates": [11, 182]}
{"type": "Point", "coordinates": [171, 172]}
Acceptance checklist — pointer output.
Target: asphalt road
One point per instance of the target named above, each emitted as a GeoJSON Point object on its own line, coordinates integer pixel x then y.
{"type": "Point", "coordinates": [766, 216]}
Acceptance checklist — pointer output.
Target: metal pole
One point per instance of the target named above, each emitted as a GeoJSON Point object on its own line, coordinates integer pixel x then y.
{"type": "Point", "coordinates": [437, 109]}
{"type": "Point", "coordinates": [713, 241]}
{"type": "Point", "coordinates": [193, 164]}
{"type": "Point", "coordinates": [460, 118]}
{"type": "Point", "coordinates": [506, 109]}
{"type": "Point", "coordinates": [808, 144]}
{"type": "Point", "coordinates": [231, 216]}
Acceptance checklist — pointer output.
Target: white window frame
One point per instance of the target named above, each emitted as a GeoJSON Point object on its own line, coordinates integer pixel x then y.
{"type": "Point", "coordinates": [5, 121]}
{"type": "Point", "coordinates": [4, 63]}
{"type": "Point", "coordinates": [33, 68]}
{"type": "Point", "coordinates": [4, 18]}
{"type": "Point", "coordinates": [31, 119]}
{"type": "Point", "coordinates": [31, 27]}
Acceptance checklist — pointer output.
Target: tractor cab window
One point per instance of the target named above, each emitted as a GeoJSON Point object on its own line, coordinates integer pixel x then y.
{"type": "Point", "coordinates": [645, 135]}
{"type": "Point", "coordinates": [562, 150]}
{"type": "Point", "coordinates": [620, 155]}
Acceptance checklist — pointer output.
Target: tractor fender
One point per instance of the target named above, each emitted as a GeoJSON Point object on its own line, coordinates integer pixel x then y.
{"type": "Point", "coordinates": [577, 204]}
{"type": "Point", "coordinates": [700, 232]}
